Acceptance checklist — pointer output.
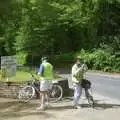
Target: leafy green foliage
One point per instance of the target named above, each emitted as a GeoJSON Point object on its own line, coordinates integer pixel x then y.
{"type": "Point", "coordinates": [100, 60]}
{"type": "Point", "coordinates": [33, 28]}
{"type": "Point", "coordinates": [21, 58]}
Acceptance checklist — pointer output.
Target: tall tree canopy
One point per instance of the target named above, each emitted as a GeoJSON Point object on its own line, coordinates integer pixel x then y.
{"type": "Point", "coordinates": [50, 26]}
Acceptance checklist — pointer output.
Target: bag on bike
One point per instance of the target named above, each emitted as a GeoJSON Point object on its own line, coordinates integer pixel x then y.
{"type": "Point", "coordinates": [86, 84]}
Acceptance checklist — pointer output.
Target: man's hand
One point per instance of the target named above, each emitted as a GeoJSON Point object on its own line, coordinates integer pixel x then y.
{"type": "Point", "coordinates": [40, 77]}
{"type": "Point", "coordinates": [83, 65]}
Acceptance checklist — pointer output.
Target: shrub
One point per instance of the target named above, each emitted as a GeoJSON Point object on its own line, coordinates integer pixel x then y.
{"type": "Point", "coordinates": [62, 60]}
{"type": "Point", "coordinates": [3, 73]}
{"type": "Point", "coordinates": [100, 60]}
{"type": "Point", "coordinates": [21, 58]}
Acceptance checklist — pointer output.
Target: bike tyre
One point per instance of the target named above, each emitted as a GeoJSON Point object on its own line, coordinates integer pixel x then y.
{"type": "Point", "coordinates": [26, 93]}
{"type": "Point", "coordinates": [59, 92]}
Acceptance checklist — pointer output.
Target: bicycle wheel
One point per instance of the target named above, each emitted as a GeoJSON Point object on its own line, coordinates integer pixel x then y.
{"type": "Point", "coordinates": [26, 93]}
{"type": "Point", "coordinates": [56, 93]}
{"type": "Point", "coordinates": [90, 101]}
{"type": "Point", "coordinates": [89, 98]}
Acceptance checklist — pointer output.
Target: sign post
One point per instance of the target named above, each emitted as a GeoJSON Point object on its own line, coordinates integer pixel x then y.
{"type": "Point", "coordinates": [8, 66]}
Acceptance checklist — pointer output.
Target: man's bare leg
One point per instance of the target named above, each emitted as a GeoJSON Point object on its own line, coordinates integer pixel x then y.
{"type": "Point", "coordinates": [47, 97]}
{"type": "Point", "coordinates": [47, 100]}
{"type": "Point", "coordinates": [42, 99]}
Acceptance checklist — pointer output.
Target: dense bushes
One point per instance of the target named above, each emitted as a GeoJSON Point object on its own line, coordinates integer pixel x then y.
{"type": "Point", "coordinates": [97, 59]}
{"type": "Point", "coordinates": [40, 27]}
{"type": "Point", "coordinates": [21, 58]}
{"type": "Point", "coordinates": [101, 60]}
{"type": "Point", "coordinates": [48, 26]}
{"type": "Point", "coordinates": [62, 60]}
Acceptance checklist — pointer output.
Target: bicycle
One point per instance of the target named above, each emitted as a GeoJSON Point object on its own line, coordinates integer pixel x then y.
{"type": "Point", "coordinates": [86, 85]}
{"type": "Point", "coordinates": [32, 88]}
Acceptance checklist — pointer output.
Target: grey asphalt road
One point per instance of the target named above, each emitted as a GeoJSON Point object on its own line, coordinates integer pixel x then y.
{"type": "Point", "coordinates": [105, 85]}
{"type": "Point", "coordinates": [102, 84]}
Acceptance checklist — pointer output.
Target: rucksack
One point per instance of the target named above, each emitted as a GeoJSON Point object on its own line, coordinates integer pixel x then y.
{"type": "Point", "coordinates": [86, 84]}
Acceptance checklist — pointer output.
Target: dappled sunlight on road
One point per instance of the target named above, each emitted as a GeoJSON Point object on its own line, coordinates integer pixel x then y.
{"type": "Point", "coordinates": [11, 109]}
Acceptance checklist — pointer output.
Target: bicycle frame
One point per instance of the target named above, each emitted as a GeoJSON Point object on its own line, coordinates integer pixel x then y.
{"type": "Point", "coordinates": [32, 89]}
{"type": "Point", "coordinates": [37, 90]}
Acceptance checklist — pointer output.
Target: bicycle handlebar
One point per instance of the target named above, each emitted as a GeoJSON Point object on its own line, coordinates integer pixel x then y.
{"type": "Point", "coordinates": [34, 77]}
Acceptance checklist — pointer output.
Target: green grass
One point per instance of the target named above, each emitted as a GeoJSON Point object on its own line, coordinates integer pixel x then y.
{"type": "Point", "coordinates": [22, 77]}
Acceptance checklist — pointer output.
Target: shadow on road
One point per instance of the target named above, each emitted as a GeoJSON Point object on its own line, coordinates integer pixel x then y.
{"type": "Point", "coordinates": [102, 106]}
{"type": "Point", "coordinates": [97, 106]}
{"type": "Point", "coordinates": [14, 109]}
{"type": "Point", "coordinates": [15, 106]}
{"type": "Point", "coordinates": [12, 115]}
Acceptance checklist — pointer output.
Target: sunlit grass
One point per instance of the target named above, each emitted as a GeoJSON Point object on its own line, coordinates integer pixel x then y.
{"type": "Point", "coordinates": [22, 76]}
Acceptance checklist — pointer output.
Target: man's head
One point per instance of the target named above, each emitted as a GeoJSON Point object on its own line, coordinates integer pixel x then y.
{"type": "Point", "coordinates": [44, 59]}
{"type": "Point", "coordinates": [78, 60]}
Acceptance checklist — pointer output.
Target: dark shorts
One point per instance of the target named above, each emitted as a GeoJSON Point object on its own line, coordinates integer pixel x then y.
{"type": "Point", "coordinates": [86, 84]}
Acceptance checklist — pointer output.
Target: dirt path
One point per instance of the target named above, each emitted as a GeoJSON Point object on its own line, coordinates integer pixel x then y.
{"type": "Point", "coordinates": [105, 110]}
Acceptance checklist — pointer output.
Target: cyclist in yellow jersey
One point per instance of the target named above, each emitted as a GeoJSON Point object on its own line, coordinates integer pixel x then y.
{"type": "Point", "coordinates": [46, 73]}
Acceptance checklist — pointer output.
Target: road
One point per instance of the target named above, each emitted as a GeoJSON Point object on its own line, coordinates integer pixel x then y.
{"type": "Point", "coordinates": [106, 85]}
{"type": "Point", "coordinates": [106, 108]}
{"type": "Point", "coordinates": [11, 109]}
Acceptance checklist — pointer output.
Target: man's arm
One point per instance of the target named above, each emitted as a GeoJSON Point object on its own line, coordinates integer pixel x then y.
{"type": "Point", "coordinates": [75, 71]}
{"type": "Point", "coordinates": [85, 68]}
{"type": "Point", "coordinates": [41, 70]}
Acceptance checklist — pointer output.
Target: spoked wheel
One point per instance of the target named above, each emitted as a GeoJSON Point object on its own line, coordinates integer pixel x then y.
{"type": "Point", "coordinates": [89, 98]}
{"type": "Point", "coordinates": [56, 93]}
{"type": "Point", "coordinates": [91, 101]}
{"type": "Point", "coordinates": [26, 93]}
